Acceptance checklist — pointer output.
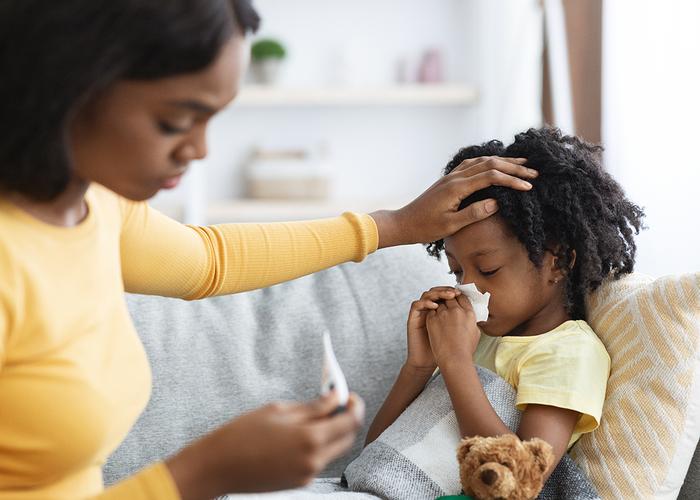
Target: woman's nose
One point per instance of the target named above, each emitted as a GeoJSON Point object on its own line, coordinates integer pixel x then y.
{"type": "Point", "coordinates": [195, 147]}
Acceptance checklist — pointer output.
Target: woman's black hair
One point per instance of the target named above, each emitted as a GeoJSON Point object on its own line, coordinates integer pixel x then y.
{"type": "Point", "coordinates": [56, 55]}
{"type": "Point", "coordinates": [574, 206]}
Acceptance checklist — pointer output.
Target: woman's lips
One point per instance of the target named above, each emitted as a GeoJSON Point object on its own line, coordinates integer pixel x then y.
{"type": "Point", "coordinates": [172, 182]}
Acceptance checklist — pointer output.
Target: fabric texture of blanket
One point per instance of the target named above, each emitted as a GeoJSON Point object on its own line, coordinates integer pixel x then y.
{"type": "Point", "coordinates": [415, 457]}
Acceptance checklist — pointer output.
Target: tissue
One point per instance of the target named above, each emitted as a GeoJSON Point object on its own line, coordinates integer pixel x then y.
{"type": "Point", "coordinates": [478, 300]}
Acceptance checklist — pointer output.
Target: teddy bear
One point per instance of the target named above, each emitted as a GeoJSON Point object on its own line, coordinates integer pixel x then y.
{"type": "Point", "coordinates": [503, 467]}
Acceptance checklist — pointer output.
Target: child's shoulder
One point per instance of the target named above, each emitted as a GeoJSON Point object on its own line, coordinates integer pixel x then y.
{"type": "Point", "coordinates": [574, 336]}
{"type": "Point", "coordinates": [576, 328]}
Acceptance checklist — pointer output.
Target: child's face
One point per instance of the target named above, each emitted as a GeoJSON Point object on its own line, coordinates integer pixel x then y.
{"type": "Point", "coordinates": [524, 298]}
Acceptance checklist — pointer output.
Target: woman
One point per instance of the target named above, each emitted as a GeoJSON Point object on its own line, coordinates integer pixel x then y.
{"type": "Point", "coordinates": [104, 103]}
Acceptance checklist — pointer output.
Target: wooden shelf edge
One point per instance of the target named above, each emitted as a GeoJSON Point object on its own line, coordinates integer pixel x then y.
{"type": "Point", "coordinates": [406, 95]}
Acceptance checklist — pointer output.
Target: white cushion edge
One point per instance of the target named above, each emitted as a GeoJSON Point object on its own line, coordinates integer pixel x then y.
{"type": "Point", "coordinates": [688, 442]}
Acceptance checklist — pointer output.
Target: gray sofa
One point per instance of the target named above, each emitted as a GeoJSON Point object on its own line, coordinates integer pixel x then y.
{"type": "Point", "coordinates": [216, 358]}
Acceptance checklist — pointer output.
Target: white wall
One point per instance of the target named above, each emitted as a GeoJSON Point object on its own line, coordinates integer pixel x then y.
{"type": "Point", "coordinates": [651, 85]}
{"type": "Point", "coordinates": [384, 153]}
{"type": "Point", "coordinates": [508, 66]}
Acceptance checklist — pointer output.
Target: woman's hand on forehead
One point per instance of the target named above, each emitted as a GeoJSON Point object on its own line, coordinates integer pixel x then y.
{"type": "Point", "coordinates": [435, 214]}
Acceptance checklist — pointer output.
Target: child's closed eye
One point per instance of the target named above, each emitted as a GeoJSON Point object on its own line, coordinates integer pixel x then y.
{"type": "Point", "coordinates": [458, 274]}
{"type": "Point", "coordinates": [489, 273]}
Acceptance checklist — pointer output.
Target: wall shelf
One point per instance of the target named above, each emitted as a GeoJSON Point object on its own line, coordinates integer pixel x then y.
{"type": "Point", "coordinates": [397, 95]}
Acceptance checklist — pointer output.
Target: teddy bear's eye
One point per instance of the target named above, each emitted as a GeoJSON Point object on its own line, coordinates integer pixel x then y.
{"type": "Point", "coordinates": [482, 461]}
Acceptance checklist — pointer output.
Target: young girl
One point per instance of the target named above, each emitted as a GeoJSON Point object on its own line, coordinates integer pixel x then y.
{"type": "Point", "coordinates": [538, 257]}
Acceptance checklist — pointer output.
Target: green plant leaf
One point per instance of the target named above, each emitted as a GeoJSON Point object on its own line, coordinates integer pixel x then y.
{"type": "Point", "coordinates": [267, 48]}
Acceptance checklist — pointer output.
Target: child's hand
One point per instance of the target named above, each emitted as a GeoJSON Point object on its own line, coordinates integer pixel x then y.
{"type": "Point", "coordinates": [452, 331]}
{"type": "Point", "coordinates": [420, 356]}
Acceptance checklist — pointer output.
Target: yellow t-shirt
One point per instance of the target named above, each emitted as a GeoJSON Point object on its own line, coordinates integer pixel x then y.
{"type": "Point", "coordinates": [73, 373]}
{"type": "Point", "coordinates": [567, 367]}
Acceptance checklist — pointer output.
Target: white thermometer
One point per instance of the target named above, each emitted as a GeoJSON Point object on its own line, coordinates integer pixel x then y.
{"type": "Point", "coordinates": [332, 376]}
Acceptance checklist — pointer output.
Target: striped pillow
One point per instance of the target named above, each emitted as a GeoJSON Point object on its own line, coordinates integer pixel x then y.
{"type": "Point", "coordinates": [651, 419]}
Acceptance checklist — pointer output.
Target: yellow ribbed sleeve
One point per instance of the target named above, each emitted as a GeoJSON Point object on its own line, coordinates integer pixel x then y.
{"type": "Point", "coordinates": [163, 257]}
{"type": "Point", "coordinates": [152, 483]}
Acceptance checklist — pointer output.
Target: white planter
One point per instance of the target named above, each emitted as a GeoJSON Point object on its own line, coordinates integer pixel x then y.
{"type": "Point", "coordinates": [267, 71]}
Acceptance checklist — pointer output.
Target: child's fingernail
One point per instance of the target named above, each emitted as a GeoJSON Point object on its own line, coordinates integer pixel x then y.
{"type": "Point", "coordinates": [533, 172]}
{"type": "Point", "coordinates": [491, 206]}
{"type": "Point", "coordinates": [526, 184]}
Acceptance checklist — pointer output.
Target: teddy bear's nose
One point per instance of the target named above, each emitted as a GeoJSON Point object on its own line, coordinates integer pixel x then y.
{"type": "Point", "coordinates": [488, 477]}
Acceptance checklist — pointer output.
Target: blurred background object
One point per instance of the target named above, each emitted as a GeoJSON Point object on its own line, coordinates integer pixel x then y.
{"type": "Point", "coordinates": [431, 70]}
{"type": "Point", "coordinates": [266, 59]}
{"type": "Point", "coordinates": [391, 89]}
{"type": "Point", "coordinates": [285, 175]}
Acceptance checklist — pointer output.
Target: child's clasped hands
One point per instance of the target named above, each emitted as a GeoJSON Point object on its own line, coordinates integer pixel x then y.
{"type": "Point", "coordinates": [441, 329]}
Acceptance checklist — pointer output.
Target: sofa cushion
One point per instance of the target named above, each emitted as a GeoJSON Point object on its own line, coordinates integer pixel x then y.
{"type": "Point", "coordinates": [217, 358]}
{"type": "Point", "coordinates": [651, 419]}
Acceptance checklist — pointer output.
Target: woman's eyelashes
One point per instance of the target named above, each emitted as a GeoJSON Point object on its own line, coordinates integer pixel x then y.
{"type": "Point", "coordinates": [170, 129]}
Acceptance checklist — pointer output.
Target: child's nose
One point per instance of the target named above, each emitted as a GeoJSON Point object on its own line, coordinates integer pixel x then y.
{"type": "Point", "coordinates": [468, 277]}
{"type": "Point", "coordinates": [473, 279]}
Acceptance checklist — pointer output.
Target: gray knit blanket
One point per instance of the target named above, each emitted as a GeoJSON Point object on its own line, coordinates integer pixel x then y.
{"type": "Point", "coordinates": [415, 458]}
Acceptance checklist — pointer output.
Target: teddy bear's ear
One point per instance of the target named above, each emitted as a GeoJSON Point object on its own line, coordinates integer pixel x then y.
{"type": "Point", "coordinates": [541, 452]}
{"type": "Point", "coordinates": [464, 446]}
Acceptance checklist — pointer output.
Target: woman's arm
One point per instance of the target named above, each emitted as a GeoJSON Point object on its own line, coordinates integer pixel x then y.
{"type": "Point", "coordinates": [162, 257]}
{"type": "Point", "coordinates": [408, 385]}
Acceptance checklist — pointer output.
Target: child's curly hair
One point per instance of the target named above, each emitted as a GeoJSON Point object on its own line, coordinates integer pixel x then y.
{"type": "Point", "coordinates": [574, 205]}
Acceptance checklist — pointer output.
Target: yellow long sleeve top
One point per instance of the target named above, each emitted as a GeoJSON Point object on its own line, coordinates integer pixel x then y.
{"type": "Point", "coordinates": [73, 373]}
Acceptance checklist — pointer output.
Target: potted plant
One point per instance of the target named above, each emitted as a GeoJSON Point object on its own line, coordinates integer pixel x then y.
{"type": "Point", "coordinates": [267, 55]}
